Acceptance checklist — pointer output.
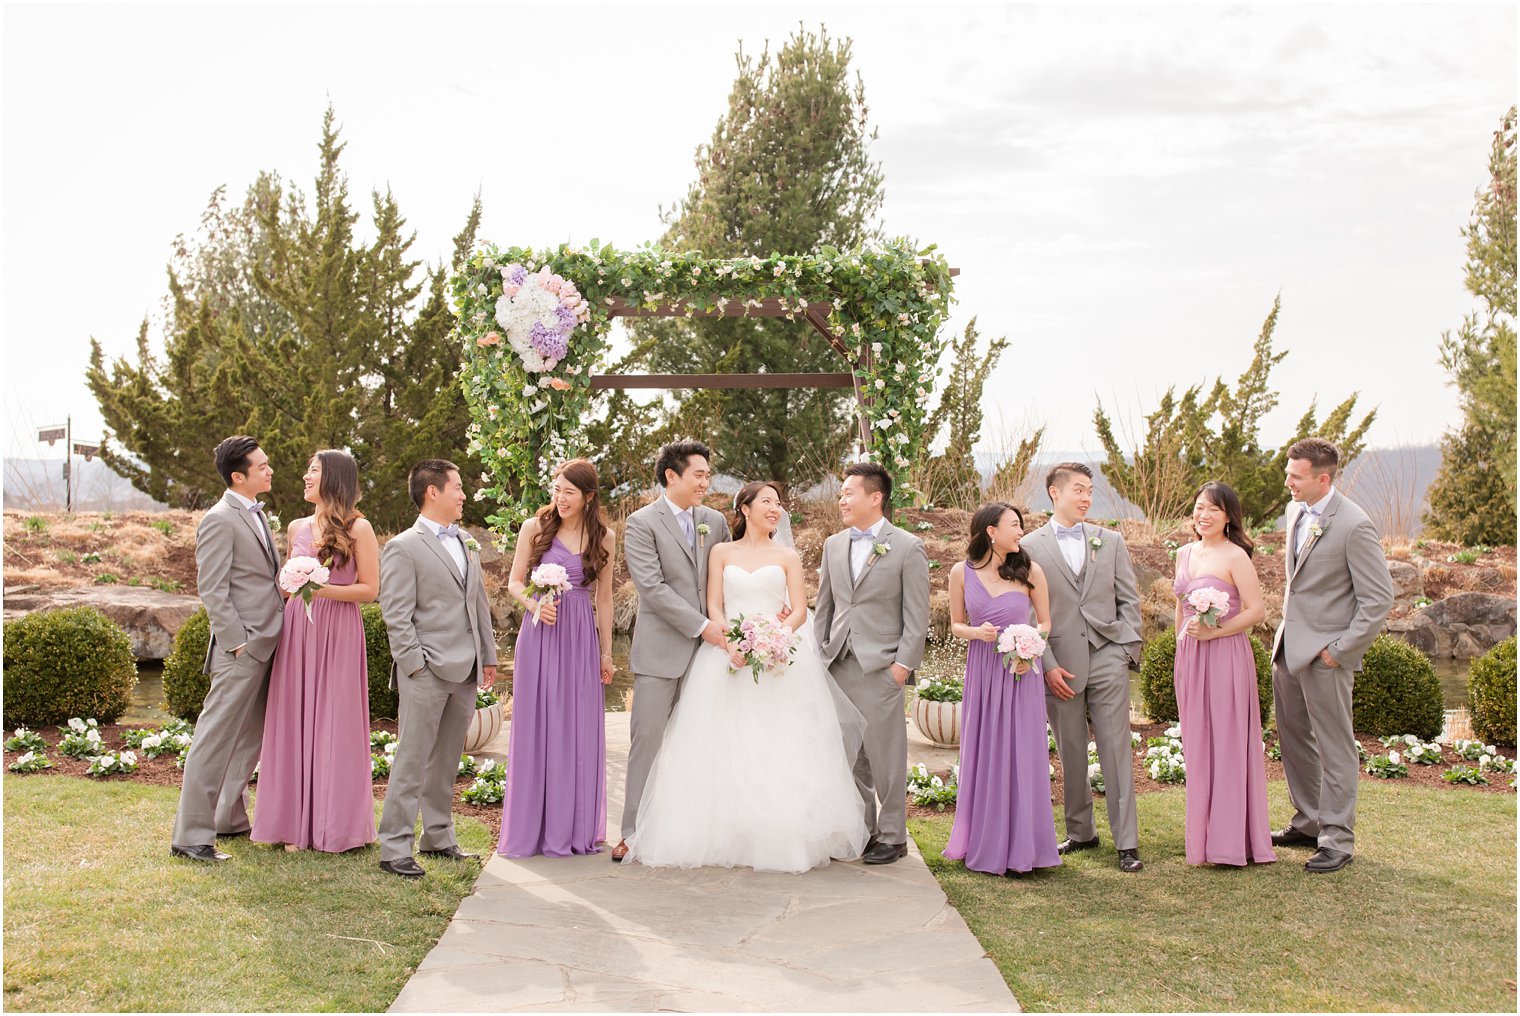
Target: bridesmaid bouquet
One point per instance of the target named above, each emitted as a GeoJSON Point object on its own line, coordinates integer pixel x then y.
{"type": "Point", "coordinates": [1020, 643]}
{"type": "Point", "coordinates": [1211, 605]}
{"type": "Point", "coordinates": [547, 582]}
{"type": "Point", "coordinates": [766, 643]}
{"type": "Point", "coordinates": [303, 576]}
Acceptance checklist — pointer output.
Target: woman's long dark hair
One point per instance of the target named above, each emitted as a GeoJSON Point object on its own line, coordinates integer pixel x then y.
{"type": "Point", "coordinates": [593, 521]}
{"type": "Point", "coordinates": [1015, 566]}
{"type": "Point", "coordinates": [1221, 495]}
{"type": "Point", "coordinates": [337, 493]}
{"type": "Point", "coordinates": [745, 498]}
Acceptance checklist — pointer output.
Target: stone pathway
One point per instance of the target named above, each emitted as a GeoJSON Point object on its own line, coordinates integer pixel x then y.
{"type": "Point", "coordinates": [582, 933]}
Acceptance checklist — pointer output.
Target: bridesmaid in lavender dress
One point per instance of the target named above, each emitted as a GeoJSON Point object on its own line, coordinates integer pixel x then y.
{"type": "Point", "coordinates": [1003, 819]}
{"type": "Point", "coordinates": [314, 773]}
{"type": "Point", "coordinates": [556, 798]}
{"type": "Point", "coordinates": [1217, 701]}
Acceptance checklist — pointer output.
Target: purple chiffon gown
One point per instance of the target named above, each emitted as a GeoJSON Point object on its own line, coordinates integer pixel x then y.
{"type": "Point", "coordinates": [1220, 716]}
{"type": "Point", "coordinates": [556, 798]}
{"type": "Point", "coordinates": [314, 788]}
{"type": "Point", "coordinates": [1003, 817]}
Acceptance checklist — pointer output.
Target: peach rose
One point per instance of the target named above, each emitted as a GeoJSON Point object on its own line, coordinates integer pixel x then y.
{"type": "Point", "coordinates": [559, 384]}
{"type": "Point", "coordinates": [489, 339]}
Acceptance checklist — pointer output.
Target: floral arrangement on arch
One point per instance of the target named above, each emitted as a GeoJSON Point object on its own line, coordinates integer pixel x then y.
{"type": "Point", "coordinates": [534, 324]}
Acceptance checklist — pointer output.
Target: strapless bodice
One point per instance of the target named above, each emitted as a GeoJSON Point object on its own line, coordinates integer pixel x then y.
{"type": "Point", "coordinates": [762, 591]}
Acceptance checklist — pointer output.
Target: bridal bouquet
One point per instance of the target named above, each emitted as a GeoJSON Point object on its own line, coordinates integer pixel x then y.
{"type": "Point", "coordinates": [1020, 643]}
{"type": "Point", "coordinates": [538, 311]}
{"type": "Point", "coordinates": [767, 643]}
{"type": "Point", "coordinates": [1211, 605]}
{"type": "Point", "coordinates": [547, 582]}
{"type": "Point", "coordinates": [303, 576]}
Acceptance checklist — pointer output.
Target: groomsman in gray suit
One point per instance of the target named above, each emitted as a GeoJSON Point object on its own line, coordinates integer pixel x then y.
{"type": "Point", "coordinates": [871, 623]}
{"type": "Point", "coordinates": [438, 619]}
{"type": "Point", "coordinates": [666, 544]}
{"type": "Point", "coordinates": [1095, 636]}
{"type": "Point", "coordinates": [237, 570]}
{"type": "Point", "coordinates": [1338, 595]}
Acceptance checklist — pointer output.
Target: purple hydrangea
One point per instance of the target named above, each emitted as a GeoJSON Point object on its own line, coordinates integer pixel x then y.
{"type": "Point", "coordinates": [566, 318]}
{"type": "Point", "coordinates": [549, 342]}
{"type": "Point", "coordinates": [518, 275]}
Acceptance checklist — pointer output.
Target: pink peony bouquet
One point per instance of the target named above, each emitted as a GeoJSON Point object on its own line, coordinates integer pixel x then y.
{"type": "Point", "coordinates": [538, 311]}
{"type": "Point", "coordinates": [303, 576]}
{"type": "Point", "coordinates": [1211, 605]}
{"type": "Point", "coordinates": [1020, 643]}
{"type": "Point", "coordinates": [546, 583]}
{"type": "Point", "coordinates": [767, 643]}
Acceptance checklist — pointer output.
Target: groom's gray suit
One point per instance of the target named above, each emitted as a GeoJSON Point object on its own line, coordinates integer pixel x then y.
{"type": "Point", "coordinates": [1094, 635]}
{"type": "Point", "coordinates": [439, 625]}
{"type": "Point", "coordinates": [670, 572]}
{"type": "Point", "coordinates": [1337, 597]}
{"type": "Point", "coordinates": [864, 624]}
{"type": "Point", "coordinates": [236, 573]}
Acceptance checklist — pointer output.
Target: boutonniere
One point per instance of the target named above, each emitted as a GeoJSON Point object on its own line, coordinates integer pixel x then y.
{"type": "Point", "coordinates": [1316, 530]}
{"type": "Point", "coordinates": [471, 544]}
{"type": "Point", "coordinates": [273, 520]}
{"type": "Point", "coordinates": [879, 550]}
{"type": "Point", "coordinates": [702, 530]}
{"type": "Point", "coordinates": [1096, 544]}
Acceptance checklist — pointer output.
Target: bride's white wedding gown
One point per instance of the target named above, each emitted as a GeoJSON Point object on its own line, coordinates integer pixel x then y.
{"type": "Point", "coordinates": [752, 775]}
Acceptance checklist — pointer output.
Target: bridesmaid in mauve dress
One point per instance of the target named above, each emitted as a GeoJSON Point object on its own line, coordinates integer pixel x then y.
{"type": "Point", "coordinates": [1003, 819]}
{"type": "Point", "coordinates": [1217, 703]}
{"type": "Point", "coordinates": [314, 786]}
{"type": "Point", "coordinates": [556, 797]}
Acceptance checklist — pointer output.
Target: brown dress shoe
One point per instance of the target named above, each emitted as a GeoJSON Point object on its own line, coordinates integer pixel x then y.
{"type": "Point", "coordinates": [619, 852]}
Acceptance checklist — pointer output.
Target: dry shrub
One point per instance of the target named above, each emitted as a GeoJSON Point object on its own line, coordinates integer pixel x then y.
{"type": "Point", "coordinates": [1158, 608]}
{"type": "Point", "coordinates": [1386, 485]}
{"type": "Point", "coordinates": [34, 576]}
{"type": "Point", "coordinates": [625, 606]}
{"type": "Point", "coordinates": [1016, 475]}
{"type": "Point", "coordinates": [1480, 579]}
{"type": "Point", "coordinates": [939, 614]}
{"type": "Point", "coordinates": [1398, 550]}
{"type": "Point", "coordinates": [1138, 532]}
{"type": "Point", "coordinates": [1506, 570]}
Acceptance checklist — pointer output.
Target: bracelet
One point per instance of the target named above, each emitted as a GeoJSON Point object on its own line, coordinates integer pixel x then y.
{"type": "Point", "coordinates": [606, 656]}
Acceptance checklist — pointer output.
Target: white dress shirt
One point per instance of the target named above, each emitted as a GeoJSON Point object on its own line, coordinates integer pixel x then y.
{"type": "Point", "coordinates": [1314, 511]}
{"type": "Point", "coordinates": [696, 546]}
{"type": "Point", "coordinates": [860, 550]}
{"type": "Point", "coordinates": [455, 547]}
{"type": "Point", "coordinates": [1073, 551]}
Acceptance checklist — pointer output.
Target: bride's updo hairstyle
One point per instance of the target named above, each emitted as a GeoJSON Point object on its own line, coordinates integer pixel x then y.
{"type": "Point", "coordinates": [744, 499]}
{"type": "Point", "coordinates": [1014, 567]}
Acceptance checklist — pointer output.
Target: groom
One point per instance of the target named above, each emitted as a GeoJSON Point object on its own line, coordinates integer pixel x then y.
{"type": "Point", "coordinates": [439, 622]}
{"type": "Point", "coordinates": [1338, 595]}
{"type": "Point", "coordinates": [1095, 634]}
{"type": "Point", "coordinates": [873, 616]}
{"type": "Point", "coordinates": [236, 568]}
{"type": "Point", "coordinates": [666, 543]}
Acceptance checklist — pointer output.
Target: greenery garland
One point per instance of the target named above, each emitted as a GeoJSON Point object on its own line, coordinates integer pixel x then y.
{"type": "Point", "coordinates": [888, 301]}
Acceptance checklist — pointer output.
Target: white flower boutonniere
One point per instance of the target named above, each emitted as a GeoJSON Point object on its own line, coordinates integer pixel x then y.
{"type": "Point", "coordinates": [273, 520]}
{"type": "Point", "coordinates": [702, 530]}
{"type": "Point", "coordinates": [880, 549]}
{"type": "Point", "coordinates": [1316, 530]}
{"type": "Point", "coordinates": [471, 544]}
{"type": "Point", "coordinates": [1095, 543]}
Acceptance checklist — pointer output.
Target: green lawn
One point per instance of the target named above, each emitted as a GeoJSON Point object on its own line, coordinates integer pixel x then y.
{"type": "Point", "coordinates": [1424, 919]}
{"type": "Point", "coordinates": [99, 917]}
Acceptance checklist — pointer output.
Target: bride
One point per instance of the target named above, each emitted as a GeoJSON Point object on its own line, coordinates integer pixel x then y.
{"type": "Point", "coordinates": [755, 775]}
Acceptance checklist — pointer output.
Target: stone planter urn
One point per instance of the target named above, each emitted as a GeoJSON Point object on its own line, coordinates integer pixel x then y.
{"type": "Point", "coordinates": [940, 722]}
{"type": "Point", "coordinates": [484, 727]}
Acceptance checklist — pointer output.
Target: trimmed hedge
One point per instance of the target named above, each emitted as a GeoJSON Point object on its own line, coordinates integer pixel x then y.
{"type": "Point", "coordinates": [1397, 692]}
{"type": "Point", "coordinates": [185, 686]}
{"type": "Point", "coordinates": [65, 663]}
{"type": "Point", "coordinates": [1158, 690]}
{"type": "Point", "coordinates": [1491, 694]}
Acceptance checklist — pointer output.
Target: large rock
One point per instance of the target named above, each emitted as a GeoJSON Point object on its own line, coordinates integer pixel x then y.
{"type": "Point", "coordinates": [1407, 585]}
{"type": "Point", "coordinates": [1474, 609]}
{"type": "Point", "coordinates": [1463, 627]}
{"type": "Point", "coordinates": [150, 617]}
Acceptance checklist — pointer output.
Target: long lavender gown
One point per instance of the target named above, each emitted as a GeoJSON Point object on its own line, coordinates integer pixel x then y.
{"type": "Point", "coordinates": [1003, 818]}
{"type": "Point", "coordinates": [556, 799]}
{"type": "Point", "coordinates": [314, 788]}
{"type": "Point", "coordinates": [1220, 716]}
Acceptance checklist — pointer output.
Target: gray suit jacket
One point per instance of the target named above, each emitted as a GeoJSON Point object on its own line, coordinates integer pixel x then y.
{"type": "Point", "coordinates": [1100, 606]}
{"type": "Point", "coordinates": [884, 615]}
{"type": "Point", "coordinates": [671, 577]}
{"type": "Point", "coordinates": [236, 576]}
{"type": "Point", "coordinates": [434, 618]}
{"type": "Point", "coordinates": [1338, 593]}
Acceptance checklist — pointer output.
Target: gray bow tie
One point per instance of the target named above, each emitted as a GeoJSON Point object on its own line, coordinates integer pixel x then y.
{"type": "Point", "coordinates": [448, 531]}
{"type": "Point", "coordinates": [1073, 533]}
{"type": "Point", "coordinates": [856, 535]}
{"type": "Point", "coordinates": [257, 506]}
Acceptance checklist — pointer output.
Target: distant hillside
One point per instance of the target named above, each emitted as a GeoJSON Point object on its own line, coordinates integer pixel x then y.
{"type": "Point", "coordinates": [37, 485]}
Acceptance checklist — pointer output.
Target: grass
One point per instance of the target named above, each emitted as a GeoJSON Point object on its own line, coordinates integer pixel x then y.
{"type": "Point", "coordinates": [98, 916]}
{"type": "Point", "coordinates": [1424, 919]}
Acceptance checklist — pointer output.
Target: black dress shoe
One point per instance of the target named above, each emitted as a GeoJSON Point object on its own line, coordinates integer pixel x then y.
{"type": "Point", "coordinates": [884, 853]}
{"type": "Point", "coordinates": [1326, 860]}
{"type": "Point", "coordinates": [202, 853]}
{"type": "Point", "coordinates": [1129, 861]}
{"type": "Point", "coordinates": [406, 867]}
{"type": "Point", "coordinates": [1290, 837]}
{"type": "Point", "coordinates": [1071, 846]}
{"type": "Point", "coordinates": [453, 853]}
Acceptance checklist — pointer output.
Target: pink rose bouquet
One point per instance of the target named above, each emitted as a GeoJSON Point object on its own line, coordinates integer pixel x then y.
{"type": "Point", "coordinates": [547, 582]}
{"type": "Point", "coordinates": [1020, 643]}
{"type": "Point", "coordinates": [767, 643]}
{"type": "Point", "coordinates": [1211, 605]}
{"type": "Point", "coordinates": [303, 576]}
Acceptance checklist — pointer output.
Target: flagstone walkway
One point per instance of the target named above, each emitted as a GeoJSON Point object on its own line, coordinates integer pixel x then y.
{"type": "Point", "coordinates": [582, 933]}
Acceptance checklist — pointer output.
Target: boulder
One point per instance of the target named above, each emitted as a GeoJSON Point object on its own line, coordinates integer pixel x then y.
{"type": "Point", "coordinates": [149, 617]}
{"type": "Point", "coordinates": [1474, 609]}
{"type": "Point", "coordinates": [1463, 627]}
{"type": "Point", "coordinates": [1406, 581]}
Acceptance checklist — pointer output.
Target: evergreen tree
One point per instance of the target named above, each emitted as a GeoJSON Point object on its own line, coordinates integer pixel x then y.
{"type": "Point", "coordinates": [1473, 497]}
{"type": "Point", "coordinates": [952, 478]}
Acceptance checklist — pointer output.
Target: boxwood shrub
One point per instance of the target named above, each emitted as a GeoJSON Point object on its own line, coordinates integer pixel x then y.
{"type": "Point", "coordinates": [65, 663]}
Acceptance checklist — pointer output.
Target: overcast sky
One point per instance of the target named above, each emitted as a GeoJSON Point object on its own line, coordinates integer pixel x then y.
{"type": "Point", "coordinates": [1125, 189]}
